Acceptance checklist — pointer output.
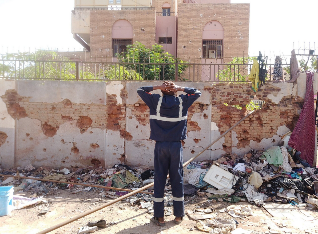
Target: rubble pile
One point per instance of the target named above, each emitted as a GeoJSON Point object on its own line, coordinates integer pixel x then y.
{"type": "Point", "coordinates": [276, 175]}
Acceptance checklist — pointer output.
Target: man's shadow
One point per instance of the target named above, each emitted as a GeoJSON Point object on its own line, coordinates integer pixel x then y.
{"type": "Point", "coordinates": [147, 228]}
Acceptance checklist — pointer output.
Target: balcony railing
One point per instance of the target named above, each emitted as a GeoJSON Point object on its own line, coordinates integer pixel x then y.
{"type": "Point", "coordinates": [105, 71]}
{"type": "Point", "coordinates": [165, 14]}
{"type": "Point", "coordinates": [129, 8]}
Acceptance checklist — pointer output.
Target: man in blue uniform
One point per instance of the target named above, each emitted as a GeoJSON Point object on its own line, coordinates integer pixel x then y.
{"type": "Point", "coordinates": [168, 125]}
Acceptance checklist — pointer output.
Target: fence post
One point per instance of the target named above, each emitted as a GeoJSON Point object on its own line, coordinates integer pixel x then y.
{"type": "Point", "coordinates": [176, 71]}
{"type": "Point", "coordinates": [77, 70]}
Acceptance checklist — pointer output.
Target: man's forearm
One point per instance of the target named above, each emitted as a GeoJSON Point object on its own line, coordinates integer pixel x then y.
{"type": "Point", "coordinates": [157, 87]}
{"type": "Point", "coordinates": [179, 88]}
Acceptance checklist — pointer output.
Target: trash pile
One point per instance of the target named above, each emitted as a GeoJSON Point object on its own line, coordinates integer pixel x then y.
{"type": "Point", "coordinates": [45, 181]}
{"type": "Point", "coordinates": [278, 174]}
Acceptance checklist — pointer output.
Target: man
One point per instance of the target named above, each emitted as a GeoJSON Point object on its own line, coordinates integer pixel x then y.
{"type": "Point", "coordinates": [168, 125]}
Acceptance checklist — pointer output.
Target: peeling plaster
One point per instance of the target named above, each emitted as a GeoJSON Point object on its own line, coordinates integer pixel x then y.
{"type": "Point", "coordinates": [140, 130]}
{"type": "Point", "coordinates": [115, 87]}
{"type": "Point", "coordinates": [285, 90]}
{"type": "Point", "coordinates": [264, 144]}
{"type": "Point", "coordinates": [282, 130]}
{"type": "Point", "coordinates": [52, 115]}
{"type": "Point", "coordinates": [214, 127]}
{"type": "Point", "coordinates": [115, 129]}
{"type": "Point", "coordinates": [6, 121]}
{"type": "Point", "coordinates": [215, 133]}
{"type": "Point", "coordinates": [3, 138]}
{"type": "Point", "coordinates": [66, 148]}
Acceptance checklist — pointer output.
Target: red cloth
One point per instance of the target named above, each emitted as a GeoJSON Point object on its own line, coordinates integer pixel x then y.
{"type": "Point", "coordinates": [303, 137]}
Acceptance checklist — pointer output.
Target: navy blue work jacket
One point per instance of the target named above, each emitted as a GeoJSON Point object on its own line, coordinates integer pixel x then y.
{"type": "Point", "coordinates": [168, 114]}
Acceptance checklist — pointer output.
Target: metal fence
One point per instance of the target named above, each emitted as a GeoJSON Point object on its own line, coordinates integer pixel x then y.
{"type": "Point", "coordinates": [104, 71]}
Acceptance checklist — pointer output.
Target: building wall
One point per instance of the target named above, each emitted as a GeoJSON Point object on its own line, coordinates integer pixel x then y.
{"type": "Point", "coordinates": [166, 27]}
{"type": "Point", "coordinates": [80, 22]}
{"type": "Point", "coordinates": [159, 3]}
{"type": "Point", "coordinates": [148, 26]}
{"type": "Point", "coordinates": [105, 3]}
{"type": "Point", "coordinates": [205, 1]}
{"type": "Point", "coordinates": [67, 123]}
{"type": "Point", "coordinates": [192, 19]}
{"type": "Point", "coordinates": [143, 22]}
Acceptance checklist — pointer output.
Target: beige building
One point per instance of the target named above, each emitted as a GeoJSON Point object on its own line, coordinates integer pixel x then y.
{"type": "Point", "coordinates": [199, 31]}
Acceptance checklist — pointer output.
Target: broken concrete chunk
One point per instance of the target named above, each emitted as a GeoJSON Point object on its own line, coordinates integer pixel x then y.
{"type": "Point", "coordinates": [199, 216]}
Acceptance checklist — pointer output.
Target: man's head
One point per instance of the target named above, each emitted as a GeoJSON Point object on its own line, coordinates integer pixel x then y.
{"type": "Point", "coordinates": [169, 88]}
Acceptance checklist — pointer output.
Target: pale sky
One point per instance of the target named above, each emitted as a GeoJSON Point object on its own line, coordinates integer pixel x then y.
{"type": "Point", "coordinates": [274, 25]}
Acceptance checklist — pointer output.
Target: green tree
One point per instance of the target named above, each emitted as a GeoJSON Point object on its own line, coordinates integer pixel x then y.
{"type": "Point", "coordinates": [309, 64]}
{"type": "Point", "coordinates": [151, 63]}
{"type": "Point", "coordinates": [237, 70]}
{"type": "Point", "coordinates": [37, 65]}
{"type": "Point", "coordinates": [120, 73]}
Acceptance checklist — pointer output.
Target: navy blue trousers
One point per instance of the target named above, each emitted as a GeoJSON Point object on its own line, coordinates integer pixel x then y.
{"type": "Point", "coordinates": [168, 158]}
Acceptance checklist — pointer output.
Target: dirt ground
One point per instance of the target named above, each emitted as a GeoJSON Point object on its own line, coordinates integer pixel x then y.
{"type": "Point", "coordinates": [125, 218]}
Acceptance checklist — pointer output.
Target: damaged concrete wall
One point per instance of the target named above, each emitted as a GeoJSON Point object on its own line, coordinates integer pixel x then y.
{"type": "Point", "coordinates": [7, 126]}
{"type": "Point", "coordinates": [62, 123]}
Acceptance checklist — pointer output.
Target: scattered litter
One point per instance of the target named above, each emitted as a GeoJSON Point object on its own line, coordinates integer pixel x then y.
{"type": "Point", "coordinates": [255, 179]}
{"type": "Point", "coordinates": [199, 215]}
{"type": "Point", "coordinates": [145, 205]}
{"type": "Point", "coordinates": [190, 190]}
{"type": "Point", "coordinates": [7, 181]}
{"type": "Point", "coordinates": [149, 181]}
{"type": "Point", "coordinates": [239, 167]}
{"type": "Point", "coordinates": [43, 210]}
{"type": "Point", "coordinates": [313, 201]}
{"type": "Point", "coordinates": [87, 229]}
{"type": "Point", "coordinates": [220, 191]}
{"type": "Point", "coordinates": [277, 175]}
{"type": "Point", "coordinates": [101, 224]}
{"type": "Point", "coordinates": [241, 231]}
{"type": "Point", "coordinates": [193, 174]}
{"type": "Point", "coordinates": [253, 196]}
{"type": "Point", "coordinates": [239, 211]}
{"type": "Point", "coordinates": [217, 225]}
{"type": "Point", "coordinates": [29, 167]}
{"type": "Point", "coordinates": [65, 171]}
{"type": "Point", "coordinates": [20, 202]}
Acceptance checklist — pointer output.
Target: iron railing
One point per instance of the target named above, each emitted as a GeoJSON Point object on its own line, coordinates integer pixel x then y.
{"type": "Point", "coordinates": [104, 71]}
{"type": "Point", "coordinates": [165, 13]}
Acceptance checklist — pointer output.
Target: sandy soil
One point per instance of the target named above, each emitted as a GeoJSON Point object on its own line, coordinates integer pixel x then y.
{"type": "Point", "coordinates": [124, 218]}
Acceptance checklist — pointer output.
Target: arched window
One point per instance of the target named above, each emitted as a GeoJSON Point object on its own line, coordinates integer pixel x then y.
{"type": "Point", "coordinates": [212, 40]}
{"type": "Point", "coordinates": [122, 35]}
{"type": "Point", "coordinates": [166, 9]}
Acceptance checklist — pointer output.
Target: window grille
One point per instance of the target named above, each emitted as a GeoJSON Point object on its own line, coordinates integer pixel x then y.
{"type": "Point", "coordinates": [120, 45]}
{"type": "Point", "coordinates": [212, 49]}
{"type": "Point", "coordinates": [165, 11]}
{"type": "Point", "coordinates": [165, 40]}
